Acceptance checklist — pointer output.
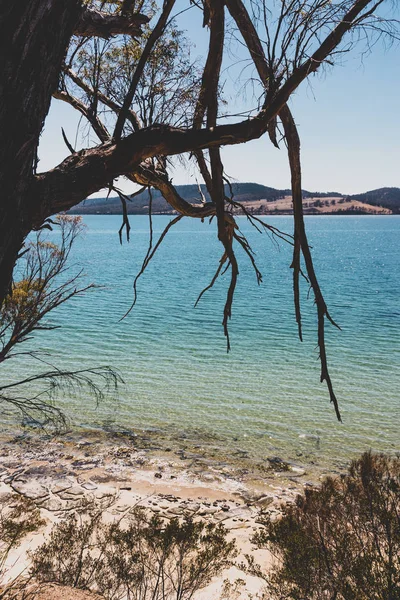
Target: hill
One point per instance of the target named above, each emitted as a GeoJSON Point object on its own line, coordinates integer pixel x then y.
{"type": "Point", "coordinates": [258, 198]}
{"type": "Point", "coordinates": [388, 197]}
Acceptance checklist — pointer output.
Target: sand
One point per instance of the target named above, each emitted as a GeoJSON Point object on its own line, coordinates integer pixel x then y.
{"type": "Point", "coordinates": [59, 475]}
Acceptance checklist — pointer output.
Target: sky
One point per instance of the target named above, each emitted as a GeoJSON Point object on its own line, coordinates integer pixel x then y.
{"type": "Point", "coordinates": [348, 119]}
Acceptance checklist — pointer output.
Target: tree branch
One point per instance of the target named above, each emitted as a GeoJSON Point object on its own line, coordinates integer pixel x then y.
{"type": "Point", "coordinates": [93, 119]}
{"type": "Point", "coordinates": [94, 23]}
{"type": "Point", "coordinates": [116, 108]}
{"type": "Point", "coordinates": [90, 170]}
{"type": "Point", "coordinates": [154, 37]}
{"type": "Point", "coordinates": [301, 241]}
{"type": "Point", "coordinates": [151, 177]}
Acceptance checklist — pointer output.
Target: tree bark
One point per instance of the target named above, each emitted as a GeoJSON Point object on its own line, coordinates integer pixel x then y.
{"type": "Point", "coordinates": [34, 36]}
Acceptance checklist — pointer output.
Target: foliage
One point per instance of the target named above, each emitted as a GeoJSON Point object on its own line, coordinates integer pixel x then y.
{"type": "Point", "coordinates": [142, 559]}
{"type": "Point", "coordinates": [18, 517]}
{"type": "Point", "coordinates": [45, 284]}
{"type": "Point", "coordinates": [39, 290]}
{"type": "Point", "coordinates": [341, 541]}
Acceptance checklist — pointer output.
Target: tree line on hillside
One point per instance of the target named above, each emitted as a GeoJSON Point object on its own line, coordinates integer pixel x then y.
{"type": "Point", "coordinates": [242, 192]}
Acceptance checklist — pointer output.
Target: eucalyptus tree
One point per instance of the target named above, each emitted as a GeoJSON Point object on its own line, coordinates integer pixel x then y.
{"type": "Point", "coordinates": [125, 67]}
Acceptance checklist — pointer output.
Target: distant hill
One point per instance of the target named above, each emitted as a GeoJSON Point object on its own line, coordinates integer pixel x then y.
{"type": "Point", "coordinates": [259, 198]}
{"type": "Point", "coordinates": [388, 197]}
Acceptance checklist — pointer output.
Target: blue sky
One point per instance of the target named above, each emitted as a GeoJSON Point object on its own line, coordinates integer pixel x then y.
{"type": "Point", "coordinates": [348, 119]}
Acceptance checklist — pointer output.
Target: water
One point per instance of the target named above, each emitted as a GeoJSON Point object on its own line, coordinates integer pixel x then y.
{"type": "Point", "coordinates": [264, 397]}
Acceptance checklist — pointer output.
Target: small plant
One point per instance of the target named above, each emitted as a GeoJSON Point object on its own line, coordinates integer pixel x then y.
{"type": "Point", "coordinates": [339, 542]}
{"type": "Point", "coordinates": [45, 283]}
{"type": "Point", "coordinates": [18, 517]}
{"type": "Point", "coordinates": [142, 559]}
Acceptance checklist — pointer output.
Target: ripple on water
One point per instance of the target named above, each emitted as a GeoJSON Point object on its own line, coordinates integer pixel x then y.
{"type": "Point", "coordinates": [265, 395]}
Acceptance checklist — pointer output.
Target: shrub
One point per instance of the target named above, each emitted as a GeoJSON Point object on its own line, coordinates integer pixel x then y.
{"type": "Point", "coordinates": [146, 558]}
{"type": "Point", "coordinates": [18, 517]}
{"type": "Point", "coordinates": [341, 541]}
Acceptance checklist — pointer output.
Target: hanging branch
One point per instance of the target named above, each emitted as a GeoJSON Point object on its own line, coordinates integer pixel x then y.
{"type": "Point", "coordinates": [248, 31]}
{"type": "Point", "coordinates": [147, 261]}
{"type": "Point", "coordinates": [293, 144]}
{"type": "Point", "coordinates": [208, 101]}
{"type": "Point", "coordinates": [150, 225]}
{"type": "Point", "coordinates": [125, 219]}
{"type": "Point", "coordinates": [222, 261]}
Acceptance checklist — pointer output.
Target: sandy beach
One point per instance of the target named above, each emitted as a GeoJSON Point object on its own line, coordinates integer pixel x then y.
{"type": "Point", "coordinates": [60, 475]}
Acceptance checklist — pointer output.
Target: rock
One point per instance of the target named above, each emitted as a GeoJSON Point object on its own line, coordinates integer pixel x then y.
{"type": "Point", "coordinates": [222, 517]}
{"type": "Point", "coordinates": [75, 490]}
{"type": "Point", "coordinates": [89, 485]}
{"type": "Point", "coordinates": [192, 507]}
{"type": "Point", "coordinates": [13, 476]}
{"type": "Point", "coordinates": [30, 489]}
{"type": "Point", "coordinates": [225, 507]}
{"type": "Point", "coordinates": [208, 511]}
{"type": "Point", "coordinates": [297, 471]}
{"type": "Point", "coordinates": [278, 463]}
{"type": "Point", "coordinates": [176, 511]}
{"type": "Point", "coordinates": [60, 486]}
{"type": "Point", "coordinates": [52, 504]}
{"type": "Point", "coordinates": [264, 501]}
{"type": "Point", "coordinates": [207, 477]}
{"type": "Point", "coordinates": [103, 495]}
{"type": "Point", "coordinates": [84, 465]}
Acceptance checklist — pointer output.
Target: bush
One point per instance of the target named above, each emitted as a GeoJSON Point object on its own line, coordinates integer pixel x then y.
{"type": "Point", "coordinates": [144, 559]}
{"type": "Point", "coordinates": [18, 517]}
{"type": "Point", "coordinates": [341, 541]}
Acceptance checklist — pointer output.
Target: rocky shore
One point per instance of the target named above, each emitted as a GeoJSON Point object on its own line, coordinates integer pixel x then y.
{"type": "Point", "coordinates": [62, 475]}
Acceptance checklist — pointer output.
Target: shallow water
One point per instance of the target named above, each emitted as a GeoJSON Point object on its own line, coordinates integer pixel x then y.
{"type": "Point", "coordinates": [264, 397]}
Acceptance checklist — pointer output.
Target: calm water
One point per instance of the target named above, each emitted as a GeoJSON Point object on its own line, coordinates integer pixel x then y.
{"type": "Point", "coordinates": [265, 396]}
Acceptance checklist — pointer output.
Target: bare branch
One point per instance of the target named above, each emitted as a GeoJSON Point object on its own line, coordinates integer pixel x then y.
{"type": "Point", "coordinates": [145, 264]}
{"type": "Point", "coordinates": [116, 108]}
{"type": "Point", "coordinates": [154, 36]}
{"type": "Point", "coordinates": [293, 143]}
{"type": "Point", "coordinates": [94, 23]}
{"type": "Point", "coordinates": [93, 119]}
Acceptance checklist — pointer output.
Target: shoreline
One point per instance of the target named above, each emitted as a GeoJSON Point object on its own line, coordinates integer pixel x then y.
{"type": "Point", "coordinates": [69, 474]}
{"type": "Point", "coordinates": [62, 476]}
{"type": "Point", "coordinates": [188, 457]}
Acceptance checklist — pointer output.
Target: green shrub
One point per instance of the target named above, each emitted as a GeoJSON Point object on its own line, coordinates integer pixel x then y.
{"type": "Point", "coordinates": [341, 541]}
{"type": "Point", "coordinates": [141, 559]}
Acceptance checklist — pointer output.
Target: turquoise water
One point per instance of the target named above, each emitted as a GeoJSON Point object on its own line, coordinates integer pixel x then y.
{"type": "Point", "coordinates": [263, 397]}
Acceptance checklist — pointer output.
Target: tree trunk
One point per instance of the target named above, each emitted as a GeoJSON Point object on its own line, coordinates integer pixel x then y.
{"type": "Point", "coordinates": [34, 37]}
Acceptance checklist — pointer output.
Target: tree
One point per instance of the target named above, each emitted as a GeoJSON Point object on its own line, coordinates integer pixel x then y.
{"type": "Point", "coordinates": [340, 541]}
{"type": "Point", "coordinates": [42, 43]}
{"type": "Point", "coordinates": [45, 282]}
